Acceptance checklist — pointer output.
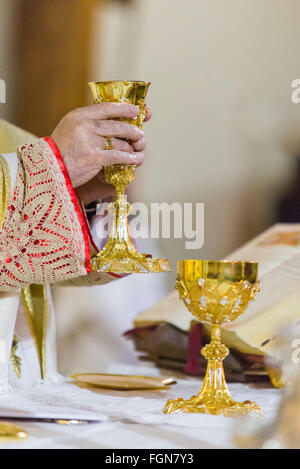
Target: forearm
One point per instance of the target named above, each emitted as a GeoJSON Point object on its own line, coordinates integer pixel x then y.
{"type": "Point", "coordinates": [43, 238]}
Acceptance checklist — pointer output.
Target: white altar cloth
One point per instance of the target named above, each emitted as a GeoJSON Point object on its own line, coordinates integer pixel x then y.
{"type": "Point", "coordinates": [130, 419]}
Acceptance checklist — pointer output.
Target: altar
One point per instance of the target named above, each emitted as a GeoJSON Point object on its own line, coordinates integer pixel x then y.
{"type": "Point", "coordinates": [128, 419]}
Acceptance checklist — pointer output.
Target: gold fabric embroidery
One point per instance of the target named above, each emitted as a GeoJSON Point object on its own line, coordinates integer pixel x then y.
{"type": "Point", "coordinates": [35, 304]}
{"type": "Point", "coordinates": [14, 358]}
{"type": "Point", "coordinates": [4, 187]}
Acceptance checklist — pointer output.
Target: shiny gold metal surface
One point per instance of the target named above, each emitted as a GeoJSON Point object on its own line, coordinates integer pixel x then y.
{"type": "Point", "coordinates": [11, 432]}
{"type": "Point", "coordinates": [119, 255]}
{"type": "Point", "coordinates": [122, 382]}
{"type": "Point", "coordinates": [109, 145]}
{"type": "Point", "coordinates": [215, 292]}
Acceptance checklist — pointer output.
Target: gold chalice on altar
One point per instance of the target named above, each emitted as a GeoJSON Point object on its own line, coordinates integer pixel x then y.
{"type": "Point", "coordinates": [215, 292]}
{"type": "Point", "coordinates": [119, 254]}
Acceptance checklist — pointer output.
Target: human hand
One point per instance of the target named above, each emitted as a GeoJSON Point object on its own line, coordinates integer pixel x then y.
{"type": "Point", "coordinates": [81, 139]}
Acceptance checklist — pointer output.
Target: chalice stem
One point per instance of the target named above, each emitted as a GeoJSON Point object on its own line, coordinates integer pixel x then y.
{"type": "Point", "coordinates": [119, 192]}
{"type": "Point", "coordinates": [214, 384]}
{"type": "Point", "coordinates": [120, 208]}
{"type": "Point", "coordinates": [119, 230]}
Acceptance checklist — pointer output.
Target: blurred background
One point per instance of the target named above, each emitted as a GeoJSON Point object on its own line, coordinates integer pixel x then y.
{"type": "Point", "coordinates": [224, 130]}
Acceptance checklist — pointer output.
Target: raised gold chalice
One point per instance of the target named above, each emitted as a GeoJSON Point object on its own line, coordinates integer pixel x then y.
{"type": "Point", "coordinates": [215, 292]}
{"type": "Point", "coordinates": [119, 254]}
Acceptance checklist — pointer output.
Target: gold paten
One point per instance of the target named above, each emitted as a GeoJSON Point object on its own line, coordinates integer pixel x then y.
{"type": "Point", "coordinates": [122, 382]}
{"type": "Point", "coordinates": [10, 432]}
{"type": "Point", "coordinates": [215, 292]}
{"type": "Point", "coordinates": [119, 255]}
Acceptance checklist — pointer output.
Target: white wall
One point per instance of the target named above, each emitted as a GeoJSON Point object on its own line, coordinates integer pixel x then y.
{"type": "Point", "coordinates": [221, 73]}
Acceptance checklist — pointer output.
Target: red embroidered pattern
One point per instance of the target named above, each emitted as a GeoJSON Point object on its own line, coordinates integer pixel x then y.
{"type": "Point", "coordinates": [42, 238]}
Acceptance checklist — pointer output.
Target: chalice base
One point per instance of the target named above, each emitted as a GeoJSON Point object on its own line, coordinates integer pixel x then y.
{"type": "Point", "coordinates": [221, 404]}
{"type": "Point", "coordinates": [131, 261]}
{"type": "Point", "coordinates": [214, 397]}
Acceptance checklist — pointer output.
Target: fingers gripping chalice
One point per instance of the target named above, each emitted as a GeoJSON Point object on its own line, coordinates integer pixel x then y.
{"type": "Point", "coordinates": [119, 254]}
{"type": "Point", "coordinates": [215, 292]}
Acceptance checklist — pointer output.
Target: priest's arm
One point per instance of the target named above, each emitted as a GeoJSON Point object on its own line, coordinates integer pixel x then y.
{"type": "Point", "coordinates": [44, 237]}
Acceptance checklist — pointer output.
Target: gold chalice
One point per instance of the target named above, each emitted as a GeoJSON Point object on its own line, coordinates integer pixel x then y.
{"type": "Point", "coordinates": [215, 292]}
{"type": "Point", "coordinates": [119, 254]}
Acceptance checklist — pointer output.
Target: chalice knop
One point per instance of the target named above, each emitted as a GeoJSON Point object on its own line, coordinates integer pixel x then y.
{"type": "Point", "coordinates": [119, 254]}
{"type": "Point", "coordinates": [215, 292]}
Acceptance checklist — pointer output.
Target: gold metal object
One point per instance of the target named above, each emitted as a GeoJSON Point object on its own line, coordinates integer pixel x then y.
{"type": "Point", "coordinates": [119, 255]}
{"type": "Point", "coordinates": [16, 361]}
{"type": "Point", "coordinates": [122, 382]}
{"type": "Point", "coordinates": [35, 304]}
{"type": "Point", "coordinates": [11, 432]}
{"type": "Point", "coordinates": [215, 292]}
{"type": "Point", "coordinates": [109, 145]}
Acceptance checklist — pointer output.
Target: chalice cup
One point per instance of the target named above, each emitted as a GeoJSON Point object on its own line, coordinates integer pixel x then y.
{"type": "Point", "coordinates": [119, 254]}
{"type": "Point", "coordinates": [215, 292]}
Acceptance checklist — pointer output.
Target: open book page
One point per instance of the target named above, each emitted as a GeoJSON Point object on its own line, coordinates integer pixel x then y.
{"type": "Point", "coordinates": [271, 248]}
{"type": "Point", "coordinates": [278, 252]}
{"type": "Point", "coordinates": [277, 305]}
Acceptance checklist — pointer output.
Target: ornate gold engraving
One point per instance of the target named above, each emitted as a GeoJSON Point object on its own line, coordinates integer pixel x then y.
{"type": "Point", "coordinates": [119, 255]}
{"type": "Point", "coordinates": [216, 292]}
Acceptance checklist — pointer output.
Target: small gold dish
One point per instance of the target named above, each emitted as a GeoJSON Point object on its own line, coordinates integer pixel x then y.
{"type": "Point", "coordinates": [10, 432]}
{"type": "Point", "coordinates": [122, 382]}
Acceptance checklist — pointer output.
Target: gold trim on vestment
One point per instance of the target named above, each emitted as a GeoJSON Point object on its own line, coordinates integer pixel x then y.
{"type": "Point", "coordinates": [4, 187]}
{"type": "Point", "coordinates": [34, 301]}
